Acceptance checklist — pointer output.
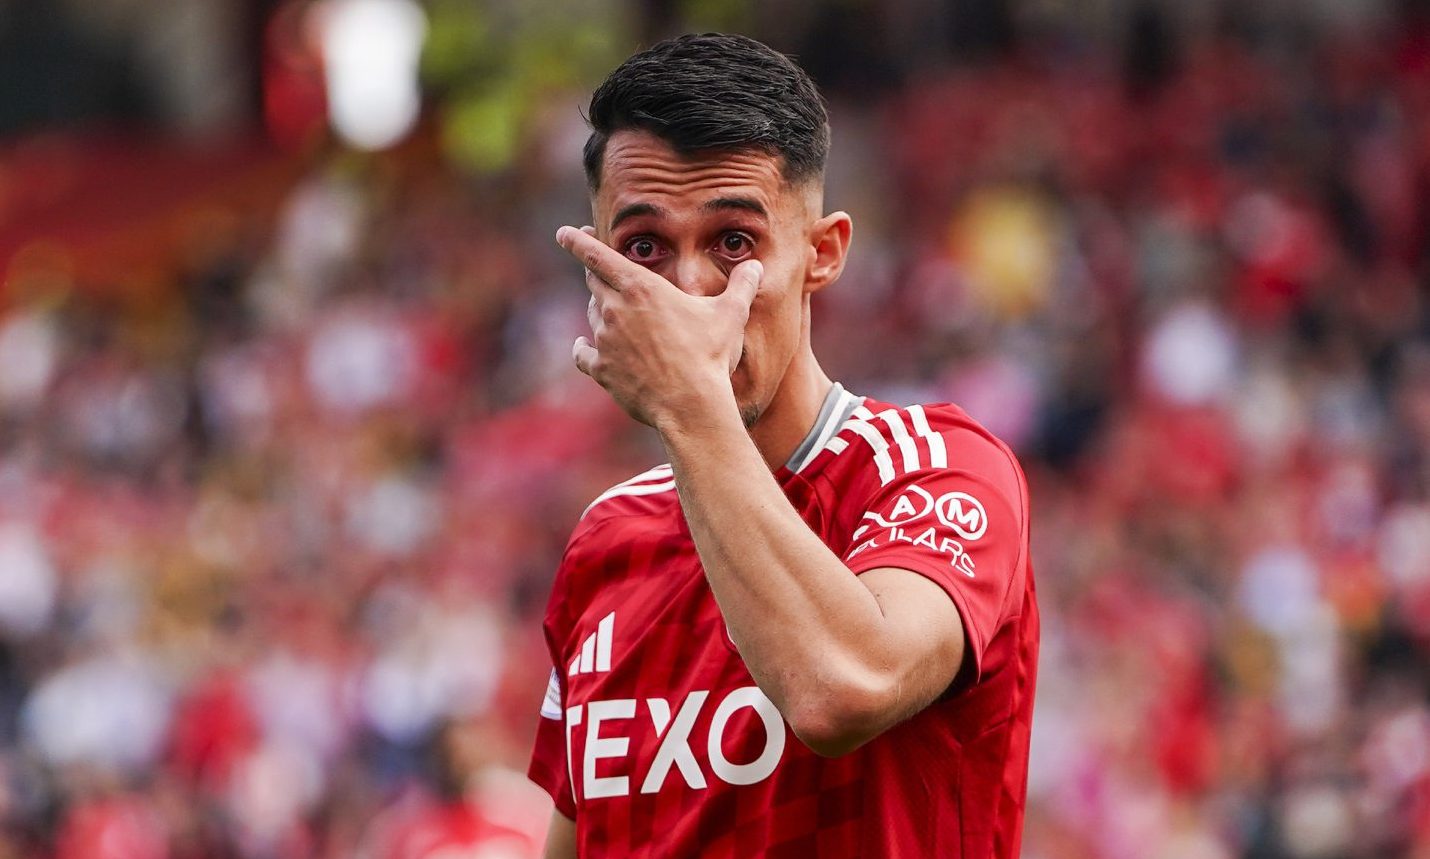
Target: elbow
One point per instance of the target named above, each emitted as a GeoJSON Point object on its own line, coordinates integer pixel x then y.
{"type": "Point", "coordinates": [842, 717]}
{"type": "Point", "coordinates": [830, 740]}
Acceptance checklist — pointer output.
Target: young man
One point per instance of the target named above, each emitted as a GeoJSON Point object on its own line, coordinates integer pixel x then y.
{"type": "Point", "coordinates": [813, 632]}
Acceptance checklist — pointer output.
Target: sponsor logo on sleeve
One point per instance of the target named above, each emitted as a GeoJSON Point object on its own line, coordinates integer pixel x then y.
{"type": "Point", "coordinates": [913, 504]}
{"type": "Point", "coordinates": [917, 518]}
{"type": "Point", "coordinates": [963, 513]}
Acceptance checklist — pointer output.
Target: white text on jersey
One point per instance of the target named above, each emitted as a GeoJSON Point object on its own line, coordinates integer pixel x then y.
{"type": "Point", "coordinates": [674, 751]}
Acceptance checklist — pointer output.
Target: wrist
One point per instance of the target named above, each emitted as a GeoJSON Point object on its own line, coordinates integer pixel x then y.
{"type": "Point", "coordinates": [714, 411]}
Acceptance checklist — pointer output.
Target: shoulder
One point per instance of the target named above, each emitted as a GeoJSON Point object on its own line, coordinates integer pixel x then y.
{"type": "Point", "coordinates": [651, 491]}
{"type": "Point", "coordinates": [640, 500]}
{"type": "Point", "coordinates": [894, 441]}
{"type": "Point", "coordinates": [928, 488]}
{"type": "Point", "coordinates": [633, 511]}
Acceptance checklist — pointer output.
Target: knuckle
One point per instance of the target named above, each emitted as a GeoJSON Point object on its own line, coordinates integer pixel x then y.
{"type": "Point", "coordinates": [595, 281]}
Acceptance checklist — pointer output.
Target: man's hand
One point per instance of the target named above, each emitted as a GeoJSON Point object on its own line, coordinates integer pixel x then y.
{"type": "Point", "coordinates": [659, 352]}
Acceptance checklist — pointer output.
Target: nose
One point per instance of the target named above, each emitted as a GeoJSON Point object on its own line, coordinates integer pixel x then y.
{"type": "Point", "coordinates": [697, 274]}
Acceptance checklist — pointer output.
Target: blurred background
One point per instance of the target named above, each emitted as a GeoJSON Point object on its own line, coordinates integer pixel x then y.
{"type": "Point", "coordinates": [290, 441]}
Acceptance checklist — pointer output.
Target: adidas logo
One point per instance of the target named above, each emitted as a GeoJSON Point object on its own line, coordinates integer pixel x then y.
{"type": "Point", "coordinates": [596, 649]}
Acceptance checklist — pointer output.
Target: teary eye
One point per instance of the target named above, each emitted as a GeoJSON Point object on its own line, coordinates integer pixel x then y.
{"type": "Point", "coordinates": [736, 244]}
{"type": "Point", "coordinates": [642, 249]}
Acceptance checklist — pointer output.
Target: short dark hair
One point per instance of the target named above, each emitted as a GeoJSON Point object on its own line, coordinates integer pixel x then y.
{"type": "Point", "coordinates": [713, 93]}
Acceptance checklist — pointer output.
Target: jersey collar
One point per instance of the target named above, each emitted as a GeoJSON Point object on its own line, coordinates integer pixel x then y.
{"type": "Point", "coordinates": [838, 405]}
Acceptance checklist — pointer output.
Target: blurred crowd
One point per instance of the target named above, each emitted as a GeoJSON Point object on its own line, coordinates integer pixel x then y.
{"type": "Point", "coordinates": [276, 532]}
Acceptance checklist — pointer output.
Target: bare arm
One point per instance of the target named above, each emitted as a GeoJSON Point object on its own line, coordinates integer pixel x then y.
{"type": "Point", "coordinates": [560, 837]}
{"type": "Point", "coordinates": [844, 658]}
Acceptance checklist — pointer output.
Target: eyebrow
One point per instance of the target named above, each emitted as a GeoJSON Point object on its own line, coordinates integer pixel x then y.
{"type": "Point", "coordinates": [635, 210]}
{"type": "Point", "coordinates": [746, 204]}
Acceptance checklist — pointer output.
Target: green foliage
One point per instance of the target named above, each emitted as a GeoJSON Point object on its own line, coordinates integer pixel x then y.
{"type": "Point", "coordinates": [722, 16]}
{"type": "Point", "coordinates": [493, 64]}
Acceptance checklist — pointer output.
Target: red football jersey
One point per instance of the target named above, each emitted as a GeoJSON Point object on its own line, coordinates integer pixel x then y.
{"type": "Point", "coordinates": [656, 740]}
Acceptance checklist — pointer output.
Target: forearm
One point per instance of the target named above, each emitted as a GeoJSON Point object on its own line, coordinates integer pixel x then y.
{"type": "Point", "coordinates": [809, 631]}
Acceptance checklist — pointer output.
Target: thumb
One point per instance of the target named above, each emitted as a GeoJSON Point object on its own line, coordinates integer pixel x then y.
{"type": "Point", "coordinates": [745, 283]}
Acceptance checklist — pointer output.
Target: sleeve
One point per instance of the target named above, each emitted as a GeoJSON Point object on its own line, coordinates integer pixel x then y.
{"type": "Point", "coordinates": [955, 527]}
{"type": "Point", "coordinates": [548, 757]}
{"type": "Point", "coordinates": [549, 767]}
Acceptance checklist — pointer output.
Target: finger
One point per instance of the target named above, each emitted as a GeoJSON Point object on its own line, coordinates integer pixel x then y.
{"type": "Point", "coordinates": [593, 316]}
{"type": "Point", "coordinates": [585, 355]}
{"type": "Point", "coordinates": [744, 283]}
{"type": "Point", "coordinates": [599, 288]}
{"type": "Point", "coordinates": [590, 277]}
{"type": "Point", "coordinates": [612, 268]}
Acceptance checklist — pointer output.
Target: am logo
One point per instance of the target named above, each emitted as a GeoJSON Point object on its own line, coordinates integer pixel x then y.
{"type": "Point", "coordinates": [904, 522]}
{"type": "Point", "coordinates": [957, 510]}
{"type": "Point", "coordinates": [963, 513]}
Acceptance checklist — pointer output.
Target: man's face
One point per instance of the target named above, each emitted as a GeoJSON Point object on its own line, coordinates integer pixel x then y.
{"type": "Point", "coordinates": [692, 220]}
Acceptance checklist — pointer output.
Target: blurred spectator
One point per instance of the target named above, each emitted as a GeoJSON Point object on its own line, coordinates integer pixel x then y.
{"type": "Point", "coordinates": [277, 520]}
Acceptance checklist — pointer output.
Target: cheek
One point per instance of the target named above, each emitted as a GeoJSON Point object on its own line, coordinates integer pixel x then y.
{"type": "Point", "coordinates": [777, 313]}
{"type": "Point", "coordinates": [772, 331]}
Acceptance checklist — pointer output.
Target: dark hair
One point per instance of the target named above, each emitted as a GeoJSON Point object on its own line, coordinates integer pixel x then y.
{"type": "Point", "coordinates": [713, 93]}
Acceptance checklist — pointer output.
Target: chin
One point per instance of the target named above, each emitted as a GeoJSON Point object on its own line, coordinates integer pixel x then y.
{"type": "Point", "coordinates": [750, 408]}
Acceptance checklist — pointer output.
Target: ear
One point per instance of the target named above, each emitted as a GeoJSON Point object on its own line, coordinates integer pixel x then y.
{"type": "Point", "coordinates": [829, 244]}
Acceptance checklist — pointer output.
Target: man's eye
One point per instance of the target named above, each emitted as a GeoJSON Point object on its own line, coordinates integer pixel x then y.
{"type": "Point", "coordinates": [642, 250]}
{"type": "Point", "coordinates": [735, 244]}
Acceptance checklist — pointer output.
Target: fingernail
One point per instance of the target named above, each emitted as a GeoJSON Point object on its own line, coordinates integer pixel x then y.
{"type": "Point", "coordinates": [758, 267]}
{"type": "Point", "coordinates": [561, 235]}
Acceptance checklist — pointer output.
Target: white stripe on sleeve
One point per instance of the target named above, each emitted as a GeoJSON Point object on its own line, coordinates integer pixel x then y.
{"type": "Point", "coordinates": [623, 490]}
{"type": "Point", "coordinates": [938, 451]}
{"type": "Point", "coordinates": [551, 705]}
{"type": "Point", "coordinates": [882, 460]}
{"type": "Point", "coordinates": [910, 451]}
